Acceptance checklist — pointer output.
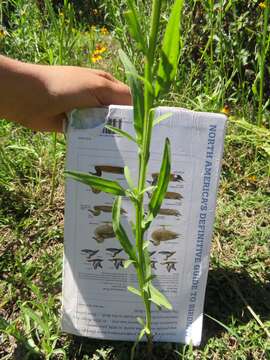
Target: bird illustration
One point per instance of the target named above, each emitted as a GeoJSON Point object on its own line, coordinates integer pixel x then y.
{"type": "Point", "coordinates": [89, 252]}
{"type": "Point", "coordinates": [114, 251]}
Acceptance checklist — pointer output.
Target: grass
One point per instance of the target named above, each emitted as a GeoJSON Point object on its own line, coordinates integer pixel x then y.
{"type": "Point", "coordinates": [31, 231]}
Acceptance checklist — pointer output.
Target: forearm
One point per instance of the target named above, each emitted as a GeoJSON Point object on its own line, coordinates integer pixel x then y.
{"type": "Point", "coordinates": [20, 86]}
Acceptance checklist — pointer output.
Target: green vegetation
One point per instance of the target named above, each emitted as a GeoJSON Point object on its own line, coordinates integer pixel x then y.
{"type": "Point", "coordinates": [224, 64]}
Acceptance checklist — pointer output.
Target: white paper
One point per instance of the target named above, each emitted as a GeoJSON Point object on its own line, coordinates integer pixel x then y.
{"type": "Point", "coordinates": [96, 302]}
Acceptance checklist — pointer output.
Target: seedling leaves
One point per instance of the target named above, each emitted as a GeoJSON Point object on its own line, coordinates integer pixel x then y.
{"type": "Point", "coordinates": [108, 186]}
{"type": "Point", "coordinates": [170, 49]}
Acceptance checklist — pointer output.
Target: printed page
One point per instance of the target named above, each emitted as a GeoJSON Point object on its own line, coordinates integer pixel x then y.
{"type": "Point", "coordinates": [96, 302]}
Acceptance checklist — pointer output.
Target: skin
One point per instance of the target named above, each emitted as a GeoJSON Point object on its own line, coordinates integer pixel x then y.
{"type": "Point", "coordinates": [39, 96]}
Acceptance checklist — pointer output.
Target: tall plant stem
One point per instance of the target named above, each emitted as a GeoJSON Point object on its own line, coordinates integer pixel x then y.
{"type": "Point", "coordinates": [262, 62]}
{"type": "Point", "coordinates": [144, 158]}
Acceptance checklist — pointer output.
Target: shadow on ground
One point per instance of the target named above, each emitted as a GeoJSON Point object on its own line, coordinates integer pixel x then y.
{"type": "Point", "coordinates": [222, 302]}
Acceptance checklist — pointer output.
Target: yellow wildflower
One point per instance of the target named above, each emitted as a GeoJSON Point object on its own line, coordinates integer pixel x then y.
{"type": "Point", "coordinates": [96, 57]}
{"type": "Point", "coordinates": [226, 110]}
{"type": "Point", "coordinates": [93, 27]}
{"type": "Point", "coordinates": [104, 30]}
{"type": "Point", "coordinates": [262, 5]}
{"type": "Point", "coordinates": [252, 179]}
{"type": "Point", "coordinates": [3, 32]}
{"type": "Point", "coordinates": [61, 14]}
{"type": "Point", "coordinates": [100, 49]}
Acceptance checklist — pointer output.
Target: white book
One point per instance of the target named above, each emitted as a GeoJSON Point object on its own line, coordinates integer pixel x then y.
{"type": "Point", "coordinates": [96, 302]}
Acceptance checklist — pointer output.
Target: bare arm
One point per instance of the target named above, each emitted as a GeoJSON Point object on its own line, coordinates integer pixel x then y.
{"type": "Point", "coordinates": [38, 96]}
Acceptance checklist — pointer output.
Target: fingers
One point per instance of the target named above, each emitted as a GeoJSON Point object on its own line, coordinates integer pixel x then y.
{"type": "Point", "coordinates": [104, 74]}
{"type": "Point", "coordinates": [114, 92]}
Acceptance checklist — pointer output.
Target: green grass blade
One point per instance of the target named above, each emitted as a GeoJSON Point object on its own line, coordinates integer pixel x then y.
{"type": "Point", "coordinates": [170, 49]}
{"type": "Point", "coordinates": [37, 320]}
{"type": "Point", "coordinates": [108, 186]}
{"type": "Point", "coordinates": [230, 331]}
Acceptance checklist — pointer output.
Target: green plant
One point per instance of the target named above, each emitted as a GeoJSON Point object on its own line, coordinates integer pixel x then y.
{"type": "Point", "coordinates": [146, 92]}
{"type": "Point", "coordinates": [41, 324]}
{"type": "Point", "coordinates": [265, 42]}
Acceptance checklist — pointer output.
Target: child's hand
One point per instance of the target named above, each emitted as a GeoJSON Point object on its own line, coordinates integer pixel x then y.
{"type": "Point", "coordinates": [39, 96]}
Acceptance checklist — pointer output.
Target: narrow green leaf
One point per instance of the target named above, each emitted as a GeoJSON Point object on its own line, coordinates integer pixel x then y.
{"type": "Point", "coordinates": [108, 186]}
{"type": "Point", "coordinates": [141, 321]}
{"type": "Point", "coordinates": [162, 182]}
{"type": "Point", "coordinates": [134, 290]}
{"type": "Point", "coordinates": [150, 188]}
{"type": "Point", "coordinates": [147, 221]}
{"type": "Point", "coordinates": [141, 335]}
{"type": "Point", "coordinates": [133, 227]}
{"type": "Point", "coordinates": [137, 93]}
{"type": "Point", "coordinates": [144, 81]}
{"type": "Point", "coordinates": [132, 194]}
{"type": "Point", "coordinates": [148, 268]}
{"type": "Point", "coordinates": [147, 331]}
{"type": "Point", "coordinates": [161, 118]}
{"type": "Point", "coordinates": [121, 132]}
{"type": "Point", "coordinates": [36, 319]}
{"type": "Point", "coordinates": [136, 342]}
{"type": "Point", "coordinates": [132, 17]}
{"type": "Point", "coordinates": [120, 231]}
{"type": "Point", "coordinates": [230, 331]}
{"type": "Point", "coordinates": [170, 49]}
{"type": "Point", "coordinates": [150, 278]}
{"type": "Point", "coordinates": [146, 244]}
{"type": "Point", "coordinates": [158, 298]}
{"type": "Point", "coordinates": [127, 263]}
{"type": "Point", "coordinates": [128, 177]}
